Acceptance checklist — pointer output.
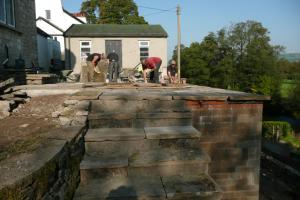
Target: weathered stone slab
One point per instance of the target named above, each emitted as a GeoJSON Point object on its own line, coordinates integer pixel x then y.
{"type": "Point", "coordinates": [66, 133]}
{"type": "Point", "coordinates": [191, 187]}
{"type": "Point", "coordinates": [248, 97]}
{"type": "Point", "coordinates": [128, 147]}
{"type": "Point", "coordinates": [105, 161]}
{"type": "Point", "coordinates": [5, 106]}
{"type": "Point", "coordinates": [120, 94]}
{"type": "Point", "coordinates": [164, 156]}
{"type": "Point", "coordinates": [86, 94]}
{"type": "Point", "coordinates": [20, 166]}
{"type": "Point", "coordinates": [92, 116]}
{"type": "Point", "coordinates": [197, 96]}
{"type": "Point", "coordinates": [149, 188]}
{"type": "Point", "coordinates": [114, 134]}
{"type": "Point", "coordinates": [172, 132]}
{"type": "Point", "coordinates": [170, 168]}
{"type": "Point", "coordinates": [159, 122]}
{"type": "Point", "coordinates": [164, 115]}
{"type": "Point", "coordinates": [154, 95]}
{"type": "Point", "coordinates": [116, 106]}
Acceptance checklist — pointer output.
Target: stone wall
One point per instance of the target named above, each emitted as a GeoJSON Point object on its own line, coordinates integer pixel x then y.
{"type": "Point", "coordinates": [21, 39]}
{"type": "Point", "coordinates": [49, 172]}
{"type": "Point", "coordinates": [231, 136]}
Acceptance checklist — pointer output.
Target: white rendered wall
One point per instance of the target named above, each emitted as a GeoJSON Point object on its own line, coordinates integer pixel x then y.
{"type": "Point", "coordinates": [130, 51]}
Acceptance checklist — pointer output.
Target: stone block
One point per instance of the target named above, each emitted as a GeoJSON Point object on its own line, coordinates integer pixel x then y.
{"type": "Point", "coordinates": [166, 156]}
{"type": "Point", "coordinates": [171, 132]}
{"type": "Point", "coordinates": [82, 113]}
{"type": "Point", "coordinates": [65, 121]}
{"type": "Point", "coordinates": [191, 187]}
{"type": "Point", "coordinates": [70, 102]}
{"type": "Point", "coordinates": [5, 106]}
{"type": "Point", "coordinates": [149, 188]}
{"type": "Point", "coordinates": [115, 106]}
{"type": "Point", "coordinates": [114, 134]}
{"type": "Point", "coordinates": [82, 105]}
{"type": "Point", "coordinates": [127, 147]}
{"type": "Point", "coordinates": [105, 161]}
{"type": "Point", "coordinates": [4, 114]}
{"type": "Point", "coordinates": [86, 95]}
{"type": "Point", "coordinates": [159, 122]}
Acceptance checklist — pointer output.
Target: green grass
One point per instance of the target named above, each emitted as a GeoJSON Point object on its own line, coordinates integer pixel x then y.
{"type": "Point", "coordinates": [292, 141]}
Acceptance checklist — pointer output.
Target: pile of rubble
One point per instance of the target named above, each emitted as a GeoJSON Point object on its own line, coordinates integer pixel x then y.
{"type": "Point", "coordinates": [10, 100]}
{"type": "Point", "coordinates": [72, 113]}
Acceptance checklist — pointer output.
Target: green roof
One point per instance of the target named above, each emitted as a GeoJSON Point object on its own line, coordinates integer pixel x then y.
{"type": "Point", "coordinates": [115, 30]}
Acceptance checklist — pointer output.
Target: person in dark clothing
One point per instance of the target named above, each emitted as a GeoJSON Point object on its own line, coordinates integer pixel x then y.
{"type": "Point", "coordinates": [172, 72]}
{"type": "Point", "coordinates": [114, 68]}
{"type": "Point", "coordinates": [152, 63]}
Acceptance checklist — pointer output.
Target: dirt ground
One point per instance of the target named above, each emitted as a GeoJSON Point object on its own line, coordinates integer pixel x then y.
{"type": "Point", "coordinates": [23, 130]}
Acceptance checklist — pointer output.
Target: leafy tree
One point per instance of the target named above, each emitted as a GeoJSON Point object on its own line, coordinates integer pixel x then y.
{"type": "Point", "coordinates": [112, 12]}
{"type": "Point", "coordinates": [240, 57]}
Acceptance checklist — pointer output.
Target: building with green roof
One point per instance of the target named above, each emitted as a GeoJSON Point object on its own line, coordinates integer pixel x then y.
{"type": "Point", "coordinates": [131, 42]}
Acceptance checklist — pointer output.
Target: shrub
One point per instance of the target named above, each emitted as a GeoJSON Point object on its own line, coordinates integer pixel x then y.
{"type": "Point", "coordinates": [275, 130]}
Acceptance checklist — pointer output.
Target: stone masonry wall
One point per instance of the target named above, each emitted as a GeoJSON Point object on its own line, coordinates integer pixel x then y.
{"type": "Point", "coordinates": [50, 172]}
{"type": "Point", "coordinates": [231, 135]}
{"type": "Point", "coordinates": [21, 39]}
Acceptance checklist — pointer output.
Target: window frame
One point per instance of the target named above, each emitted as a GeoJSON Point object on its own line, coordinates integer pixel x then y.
{"type": "Point", "coordinates": [46, 14]}
{"type": "Point", "coordinates": [83, 58]}
{"type": "Point", "coordinates": [144, 46]}
{"type": "Point", "coordinates": [4, 7]}
{"type": "Point", "coordinates": [13, 17]}
{"type": "Point", "coordinates": [13, 14]}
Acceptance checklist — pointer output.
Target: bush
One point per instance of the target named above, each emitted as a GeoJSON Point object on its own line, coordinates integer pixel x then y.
{"type": "Point", "coordinates": [275, 130]}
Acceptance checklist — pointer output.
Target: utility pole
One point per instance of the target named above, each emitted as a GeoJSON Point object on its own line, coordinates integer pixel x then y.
{"type": "Point", "coordinates": [178, 42]}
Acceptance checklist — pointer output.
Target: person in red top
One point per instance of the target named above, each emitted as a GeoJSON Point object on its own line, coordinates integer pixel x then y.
{"type": "Point", "coordinates": [152, 63]}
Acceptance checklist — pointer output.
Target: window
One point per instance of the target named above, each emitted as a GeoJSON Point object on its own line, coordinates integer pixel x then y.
{"type": "Point", "coordinates": [85, 49]}
{"type": "Point", "coordinates": [144, 49]}
{"type": "Point", "coordinates": [7, 13]}
{"type": "Point", "coordinates": [48, 14]}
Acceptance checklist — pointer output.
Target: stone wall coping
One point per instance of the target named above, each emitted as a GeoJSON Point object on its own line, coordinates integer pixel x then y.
{"type": "Point", "coordinates": [24, 165]}
{"type": "Point", "coordinates": [143, 92]}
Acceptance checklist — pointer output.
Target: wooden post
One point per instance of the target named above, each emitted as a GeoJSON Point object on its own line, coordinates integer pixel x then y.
{"type": "Point", "coordinates": [178, 43]}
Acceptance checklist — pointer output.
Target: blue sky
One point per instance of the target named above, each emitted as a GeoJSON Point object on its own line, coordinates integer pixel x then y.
{"type": "Point", "coordinates": [199, 17]}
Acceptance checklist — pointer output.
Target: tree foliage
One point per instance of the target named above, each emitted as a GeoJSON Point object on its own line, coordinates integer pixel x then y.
{"type": "Point", "coordinates": [112, 12]}
{"type": "Point", "coordinates": [239, 57]}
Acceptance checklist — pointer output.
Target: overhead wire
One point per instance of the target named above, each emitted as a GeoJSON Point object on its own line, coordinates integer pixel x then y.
{"type": "Point", "coordinates": [171, 10]}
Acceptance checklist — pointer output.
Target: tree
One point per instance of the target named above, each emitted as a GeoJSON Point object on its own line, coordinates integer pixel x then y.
{"type": "Point", "coordinates": [240, 58]}
{"type": "Point", "coordinates": [112, 12]}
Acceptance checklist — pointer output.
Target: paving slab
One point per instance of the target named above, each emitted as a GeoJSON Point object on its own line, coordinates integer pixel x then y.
{"type": "Point", "coordinates": [164, 156]}
{"type": "Point", "coordinates": [121, 188]}
{"type": "Point", "coordinates": [114, 147]}
{"type": "Point", "coordinates": [105, 161]}
{"type": "Point", "coordinates": [164, 115]}
{"type": "Point", "coordinates": [191, 187]}
{"type": "Point", "coordinates": [172, 132]}
{"type": "Point", "coordinates": [114, 134]}
{"type": "Point", "coordinates": [66, 133]}
{"type": "Point", "coordinates": [86, 94]}
{"type": "Point", "coordinates": [120, 94]}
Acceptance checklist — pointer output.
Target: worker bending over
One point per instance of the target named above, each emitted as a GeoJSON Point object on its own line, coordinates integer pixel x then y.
{"type": "Point", "coordinates": [152, 63]}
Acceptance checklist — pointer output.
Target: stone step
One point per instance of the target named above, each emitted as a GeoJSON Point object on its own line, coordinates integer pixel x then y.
{"type": "Point", "coordinates": [149, 188]}
{"type": "Point", "coordinates": [137, 106]}
{"type": "Point", "coordinates": [139, 120]}
{"type": "Point", "coordinates": [160, 162]}
{"type": "Point", "coordinates": [133, 140]}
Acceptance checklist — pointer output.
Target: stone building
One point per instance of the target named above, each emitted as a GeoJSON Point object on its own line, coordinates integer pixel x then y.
{"type": "Point", "coordinates": [17, 32]}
